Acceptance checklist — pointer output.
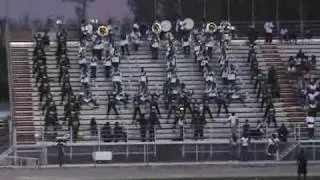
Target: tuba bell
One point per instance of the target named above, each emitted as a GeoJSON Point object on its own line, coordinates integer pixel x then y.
{"type": "Point", "coordinates": [103, 31]}
{"type": "Point", "coordinates": [156, 28]}
{"type": "Point", "coordinates": [211, 27]}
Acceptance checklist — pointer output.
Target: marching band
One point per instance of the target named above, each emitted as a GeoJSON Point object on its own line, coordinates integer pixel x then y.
{"type": "Point", "coordinates": [198, 41]}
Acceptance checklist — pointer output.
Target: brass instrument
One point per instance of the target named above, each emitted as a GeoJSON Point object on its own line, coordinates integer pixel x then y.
{"type": "Point", "coordinates": [156, 28]}
{"type": "Point", "coordinates": [103, 31]}
{"type": "Point", "coordinates": [211, 27]}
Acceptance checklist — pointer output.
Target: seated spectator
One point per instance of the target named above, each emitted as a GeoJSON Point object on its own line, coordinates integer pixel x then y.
{"type": "Point", "coordinates": [283, 133]}
{"type": "Point", "coordinates": [118, 133]}
{"type": "Point", "coordinates": [106, 132]}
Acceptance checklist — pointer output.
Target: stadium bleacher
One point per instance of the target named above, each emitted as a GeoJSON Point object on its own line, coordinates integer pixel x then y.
{"type": "Point", "coordinates": [29, 120]}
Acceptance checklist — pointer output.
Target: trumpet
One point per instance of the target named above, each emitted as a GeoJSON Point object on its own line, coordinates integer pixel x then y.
{"type": "Point", "coordinates": [156, 28]}
{"type": "Point", "coordinates": [211, 27]}
{"type": "Point", "coordinates": [103, 31]}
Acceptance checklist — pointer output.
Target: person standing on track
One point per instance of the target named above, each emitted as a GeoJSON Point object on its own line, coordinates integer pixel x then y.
{"type": "Point", "coordinates": [302, 165]}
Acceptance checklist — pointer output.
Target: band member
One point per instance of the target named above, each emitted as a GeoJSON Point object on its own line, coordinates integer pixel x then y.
{"type": "Point", "coordinates": [115, 59]}
{"type": "Point", "coordinates": [209, 45]}
{"type": "Point", "coordinates": [93, 68]}
{"type": "Point", "coordinates": [124, 44]}
{"type": "Point", "coordinates": [272, 117]}
{"type": "Point", "coordinates": [64, 70]}
{"type": "Point", "coordinates": [143, 122]}
{"type": "Point", "coordinates": [186, 44]}
{"type": "Point", "coordinates": [232, 75]}
{"type": "Point", "coordinates": [66, 91]}
{"type": "Point", "coordinates": [51, 120]}
{"type": "Point", "coordinates": [154, 102]}
{"type": "Point", "coordinates": [44, 89]}
{"type": "Point", "coordinates": [155, 46]}
{"type": "Point", "coordinates": [221, 101]}
{"type": "Point", "coordinates": [46, 40]}
{"type": "Point", "coordinates": [97, 48]}
{"type": "Point", "coordinates": [83, 62]}
{"type": "Point", "coordinates": [136, 104]}
{"type": "Point", "coordinates": [61, 54]}
{"type": "Point", "coordinates": [153, 122]}
{"type": "Point", "coordinates": [179, 25]}
{"type": "Point", "coordinates": [107, 67]}
{"type": "Point", "coordinates": [205, 108]}
{"type": "Point", "coordinates": [39, 42]}
{"type": "Point", "coordinates": [268, 27]}
{"type": "Point", "coordinates": [136, 38]}
{"type": "Point", "coordinates": [110, 29]}
{"type": "Point", "coordinates": [198, 123]}
{"type": "Point", "coordinates": [112, 102]}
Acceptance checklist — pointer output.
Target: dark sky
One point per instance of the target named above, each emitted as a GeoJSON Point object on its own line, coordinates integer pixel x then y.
{"type": "Point", "coordinates": [44, 8]}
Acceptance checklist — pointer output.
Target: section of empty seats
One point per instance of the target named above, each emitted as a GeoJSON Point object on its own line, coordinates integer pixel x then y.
{"type": "Point", "coordinates": [22, 92]}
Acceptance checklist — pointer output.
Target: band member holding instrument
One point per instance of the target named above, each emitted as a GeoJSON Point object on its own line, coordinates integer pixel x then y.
{"type": "Point", "coordinates": [155, 45]}
{"type": "Point", "coordinates": [179, 27]}
{"type": "Point", "coordinates": [186, 44]}
{"type": "Point", "coordinates": [93, 68]}
{"type": "Point", "coordinates": [110, 29]}
{"type": "Point", "coordinates": [97, 48]}
{"type": "Point", "coordinates": [136, 38]}
{"type": "Point", "coordinates": [124, 44]}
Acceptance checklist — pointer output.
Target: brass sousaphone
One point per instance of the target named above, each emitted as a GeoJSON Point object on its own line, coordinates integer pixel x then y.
{"type": "Point", "coordinates": [188, 24]}
{"type": "Point", "coordinates": [211, 27]}
{"type": "Point", "coordinates": [156, 28]}
{"type": "Point", "coordinates": [103, 31]}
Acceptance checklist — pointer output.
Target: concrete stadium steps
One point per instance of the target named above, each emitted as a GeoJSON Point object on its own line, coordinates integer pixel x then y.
{"type": "Point", "coordinates": [271, 56]}
{"type": "Point", "coordinates": [129, 66]}
{"type": "Point", "coordinates": [20, 70]}
{"type": "Point", "coordinates": [310, 48]}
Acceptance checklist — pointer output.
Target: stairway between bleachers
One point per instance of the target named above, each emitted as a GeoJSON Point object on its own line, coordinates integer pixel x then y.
{"type": "Point", "coordinates": [271, 56]}
{"type": "Point", "coordinates": [22, 95]}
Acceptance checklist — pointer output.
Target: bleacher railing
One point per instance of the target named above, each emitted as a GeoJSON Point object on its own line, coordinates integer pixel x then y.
{"type": "Point", "coordinates": [16, 161]}
{"type": "Point", "coordinates": [297, 132]}
{"type": "Point", "coordinates": [181, 150]}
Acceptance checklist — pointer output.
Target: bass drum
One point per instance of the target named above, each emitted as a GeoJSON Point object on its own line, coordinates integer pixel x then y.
{"type": "Point", "coordinates": [188, 24]}
{"type": "Point", "coordinates": [166, 26]}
